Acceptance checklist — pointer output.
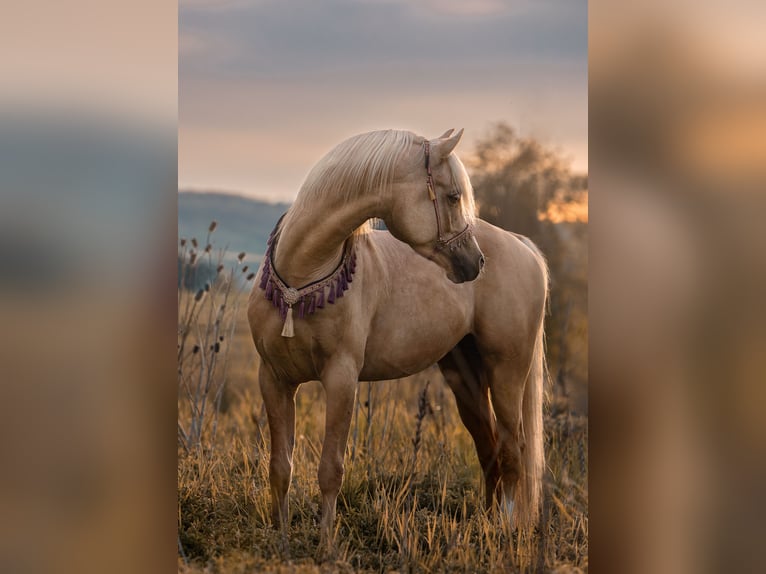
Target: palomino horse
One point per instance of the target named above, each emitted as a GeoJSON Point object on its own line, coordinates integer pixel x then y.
{"type": "Point", "coordinates": [338, 302]}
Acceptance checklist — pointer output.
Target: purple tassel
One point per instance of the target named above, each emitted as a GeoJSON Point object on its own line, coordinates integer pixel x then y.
{"type": "Point", "coordinates": [308, 304]}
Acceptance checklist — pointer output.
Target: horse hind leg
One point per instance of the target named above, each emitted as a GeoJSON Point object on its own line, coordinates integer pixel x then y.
{"type": "Point", "coordinates": [516, 387]}
{"type": "Point", "coordinates": [506, 382]}
{"type": "Point", "coordinates": [463, 371]}
{"type": "Point", "coordinates": [279, 399]}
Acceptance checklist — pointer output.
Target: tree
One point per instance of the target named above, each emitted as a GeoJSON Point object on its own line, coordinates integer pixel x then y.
{"type": "Point", "coordinates": [515, 179]}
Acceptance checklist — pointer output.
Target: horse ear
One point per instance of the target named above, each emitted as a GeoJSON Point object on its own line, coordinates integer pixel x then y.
{"type": "Point", "coordinates": [446, 134]}
{"type": "Point", "coordinates": [445, 146]}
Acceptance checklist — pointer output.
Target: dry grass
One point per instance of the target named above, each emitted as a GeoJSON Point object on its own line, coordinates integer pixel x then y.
{"type": "Point", "coordinates": [407, 504]}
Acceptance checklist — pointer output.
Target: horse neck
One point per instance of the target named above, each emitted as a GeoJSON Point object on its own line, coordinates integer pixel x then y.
{"type": "Point", "coordinates": [311, 242]}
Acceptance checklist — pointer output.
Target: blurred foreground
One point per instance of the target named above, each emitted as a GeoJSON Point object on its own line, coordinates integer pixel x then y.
{"type": "Point", "coordinates": [678, 174]}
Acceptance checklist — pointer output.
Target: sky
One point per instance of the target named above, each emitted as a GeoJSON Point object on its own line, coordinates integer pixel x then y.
{"type": "Point", "coordinates": [267, 87]}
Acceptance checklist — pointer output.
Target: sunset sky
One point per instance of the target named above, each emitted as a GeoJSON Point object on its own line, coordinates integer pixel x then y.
{"type": "Point", "coordinates": [266, 87]}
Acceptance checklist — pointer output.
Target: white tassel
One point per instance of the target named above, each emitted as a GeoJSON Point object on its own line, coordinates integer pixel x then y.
{"type": "Point", "coordinates": [287, 329]}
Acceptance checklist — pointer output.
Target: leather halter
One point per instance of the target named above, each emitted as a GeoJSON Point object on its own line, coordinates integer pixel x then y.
{"type": "Point", "coordinates": [456, 240]}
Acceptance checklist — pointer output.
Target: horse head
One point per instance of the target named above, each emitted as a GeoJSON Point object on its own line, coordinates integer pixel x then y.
{"type": "Point", "coordinates": [432, 207]}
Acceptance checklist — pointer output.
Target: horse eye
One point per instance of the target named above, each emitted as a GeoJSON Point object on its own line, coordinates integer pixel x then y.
{"type": "Point", "coordinates": [454, 197]}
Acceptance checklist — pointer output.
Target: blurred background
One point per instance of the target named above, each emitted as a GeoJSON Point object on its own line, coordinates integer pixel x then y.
{"type": "Point", "coordinates": [88, 170]}
{"type": "Point", "coordinates": [677, 112]}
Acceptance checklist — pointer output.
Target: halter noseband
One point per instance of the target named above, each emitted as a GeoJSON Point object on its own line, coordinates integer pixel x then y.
{"type": "Point", "coordinates": [456, 240]}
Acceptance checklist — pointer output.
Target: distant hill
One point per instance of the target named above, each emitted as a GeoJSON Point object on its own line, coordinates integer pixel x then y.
{"type": "Point", "coordinates": [243, 223]}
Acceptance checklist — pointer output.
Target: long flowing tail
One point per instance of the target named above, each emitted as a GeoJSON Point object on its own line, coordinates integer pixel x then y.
{"type": "Point", "coordinates": [530, 485]}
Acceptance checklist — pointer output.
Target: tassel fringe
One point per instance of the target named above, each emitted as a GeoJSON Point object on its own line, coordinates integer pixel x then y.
{"type": "Point", "coordinates": [288, 329]}
{"type": "Point", "coordinates": [310, 299]}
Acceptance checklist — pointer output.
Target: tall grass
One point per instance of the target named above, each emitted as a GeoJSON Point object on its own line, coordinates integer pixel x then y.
{"type": "Point", "coordinates": [206, 320]}
{"type": "Point", "coordinates": [411, 498]}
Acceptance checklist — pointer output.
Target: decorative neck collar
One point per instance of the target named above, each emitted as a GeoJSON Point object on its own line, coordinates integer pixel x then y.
{"type": "Point", "coordinates": [309, 298]}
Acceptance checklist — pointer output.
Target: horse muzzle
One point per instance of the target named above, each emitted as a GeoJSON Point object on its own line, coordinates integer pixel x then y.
{"type": "Point", "coordinates": [465, 263]}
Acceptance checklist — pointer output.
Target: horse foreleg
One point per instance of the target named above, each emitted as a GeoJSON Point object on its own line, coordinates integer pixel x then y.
{"type": "Point", "coordinates": [279, 399]}
{"type": "Point", "coordinates": [339, 380]}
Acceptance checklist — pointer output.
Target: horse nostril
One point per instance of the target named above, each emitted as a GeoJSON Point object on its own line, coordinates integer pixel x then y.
{"type": "Point", "coordinates": [481, 261]}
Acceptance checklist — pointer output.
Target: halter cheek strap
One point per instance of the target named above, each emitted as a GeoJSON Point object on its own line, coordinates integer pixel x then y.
{"type": "Point", "coordinates": [456, 240]}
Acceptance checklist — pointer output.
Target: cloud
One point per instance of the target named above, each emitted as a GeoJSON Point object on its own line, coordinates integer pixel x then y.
{"type": "Point", "coordinates": [265, 74]}
{"type": "Point", "coordinates": [306, 37]}
{"type": "Point", "coordinates": [214, 5]}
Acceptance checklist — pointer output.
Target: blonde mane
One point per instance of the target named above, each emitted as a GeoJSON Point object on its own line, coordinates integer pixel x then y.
{"type": "Point", "coordinates": [355, 166]}
{"type": "Point", "coordinates": [366, 162]}
{"type": "Point", "coordinates": [463, 183]}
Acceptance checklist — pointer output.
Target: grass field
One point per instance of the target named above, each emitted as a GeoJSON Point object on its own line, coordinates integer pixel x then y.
{"type": "Point", "coordinates": [412, 495]}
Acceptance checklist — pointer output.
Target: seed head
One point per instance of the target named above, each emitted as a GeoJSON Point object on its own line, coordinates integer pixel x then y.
{"type": "Point", "coordinates": [213, 225]}
{"type": "Point", "coordinates": [241, 256]}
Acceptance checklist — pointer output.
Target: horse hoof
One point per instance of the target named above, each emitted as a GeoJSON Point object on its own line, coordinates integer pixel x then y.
{"type": "Point", "coordinates": [508, 508]}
